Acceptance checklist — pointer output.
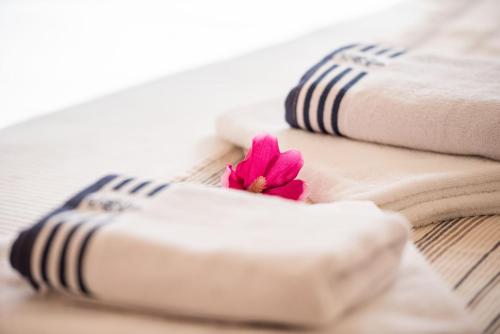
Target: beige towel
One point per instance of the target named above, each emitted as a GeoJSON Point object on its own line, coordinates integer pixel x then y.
{"type": "Point", "coordinates": [429, 89]}
{"type": "Point", "coordinates": [204, 252]}
{"type": "Point", "coordinates": [426, 187]}
{"type": "Point", "coordinates": [423, 100]}
{"type": "Point", "coordinates": [417, 302]}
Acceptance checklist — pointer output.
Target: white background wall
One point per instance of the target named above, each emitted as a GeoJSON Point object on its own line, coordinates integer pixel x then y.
{"type": "Point", "coordinates": [56, 53]}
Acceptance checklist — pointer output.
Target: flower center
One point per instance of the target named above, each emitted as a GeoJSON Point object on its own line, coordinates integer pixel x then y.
{"type": "Point", "coordinates": [257, 185]}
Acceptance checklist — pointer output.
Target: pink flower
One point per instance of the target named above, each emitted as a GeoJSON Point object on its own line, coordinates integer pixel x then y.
{"type": "Point", "coordinates": [266, 170]}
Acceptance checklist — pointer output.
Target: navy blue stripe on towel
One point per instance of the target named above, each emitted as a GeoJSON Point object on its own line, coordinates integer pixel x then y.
{"type": "Point", "coordinates": [123, 183]}
{"type": "Point", "coordinates": [292, 97]}
{"type": "Point", "coordinates": [381, 52]}
{"type": "Point", "coordinates": [139, 187]}
{"type": "Point", "coordinates": [338, 100]}
{"type": "Point", "coordinates": [21, 251]}
{"type": "Point", "coordinates": [327, 58]}
{"type": "Point", "coordinates": [158, 189]}
{"type": "Point", "coordinates": [397, 54]}
{"type": "Point", "coordinates": [46, 250]}
{"type": "Point", "coordinates": [291, 107]}
{"type": "Point", "coordinates": [81, 257]}
{"type": "Point", "coordinates": [64, 252]}
{"type": "Point", "coordinates": [324, 96]}
{"type": "Point", "coordinates": [368, 48]}
{"type": "Point", "coordinates": [20, 256]}
{"type": "Point", "coordinates": [310, 92]}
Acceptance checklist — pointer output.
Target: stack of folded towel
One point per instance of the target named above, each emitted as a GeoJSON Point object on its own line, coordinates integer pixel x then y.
{"type": "Point", "coordinates": [424, 186]}
{"type": "Point", "coordinates": [212, 253]}
{"type": "Point", "coordinates": [346, 267]}
{"type": "Point", "coordinates": [436, 108]}
{"type": "Point", "coordinates": [413, 128]}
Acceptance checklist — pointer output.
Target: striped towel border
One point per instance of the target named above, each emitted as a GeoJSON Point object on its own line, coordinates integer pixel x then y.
{"type": "Point", "coordinates": [67, 231]}
{"type": "Point", "coordinates": [314, 104]}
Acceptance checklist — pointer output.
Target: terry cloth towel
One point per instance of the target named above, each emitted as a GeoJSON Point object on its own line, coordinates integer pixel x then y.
{"type": "Point", "coordinates": [424, 186]}
{"type": "Point", "coordinates": [417, 99]}
{"type": "Point", "coordinates": [417, 302]}
{"type": "Point", "coordinates": [213, 253]}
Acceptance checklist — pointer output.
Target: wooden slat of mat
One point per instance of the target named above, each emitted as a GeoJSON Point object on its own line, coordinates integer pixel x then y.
{"type": "Point", "coordinates": [466, 253]}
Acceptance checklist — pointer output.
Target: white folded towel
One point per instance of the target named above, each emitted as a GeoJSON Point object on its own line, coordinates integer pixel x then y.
{"type": "Point", "coordinates": [424, 186]}
{"type": "Point", "coordinates": [417, 302]}
{"type": "Point", "coordinates": [213, 253]}
{"type": "Point", "coordinates": [417, 99]}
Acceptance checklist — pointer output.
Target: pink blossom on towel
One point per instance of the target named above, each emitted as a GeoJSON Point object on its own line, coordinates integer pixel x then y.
{"type": "Point", "coordinates": [266, 170]}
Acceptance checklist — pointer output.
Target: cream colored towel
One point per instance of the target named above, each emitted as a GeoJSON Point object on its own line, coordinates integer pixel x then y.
{"type": "Point", "coordinates": [417, 302]}
{"type": "Point", "coordinates": [213, 253]}
{"type": "Point", "coordinates": [432, 85]}
{"type": "Point", "coordinates": [418, 99]}
{"type": "Point", "coordinates": [424, 186]}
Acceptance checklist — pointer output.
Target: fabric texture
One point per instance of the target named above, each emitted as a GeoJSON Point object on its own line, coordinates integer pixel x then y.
{"type": "Point", "coordinates": [403, 308]}
{"type": "Point", "coordinates": [464, 251]}
{"type": "Point", "coordinates": [425, 187]}
{"type": "Point", "coordinates": [461, 250]}
{"type": "Point", "coordinates": [213, 253]}
{"type": "Point", "coordinates": [43, 161]}
{"type": "Point", "coordinates": [418, 99]}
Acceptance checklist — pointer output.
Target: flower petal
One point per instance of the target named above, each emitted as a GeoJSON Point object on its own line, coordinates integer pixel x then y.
{"type": "Point", "coordinates": [229, 179]}
{"type": "Point", "coordinates": [285, 169]}
{"type": "Point", "coordinates": [262, 155]}
{"type": "Point", "coordinates": [295, 190]}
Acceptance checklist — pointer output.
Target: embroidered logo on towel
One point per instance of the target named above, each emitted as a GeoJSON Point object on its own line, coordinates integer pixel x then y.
{"type": "Point", "coordinates": [314, 104]}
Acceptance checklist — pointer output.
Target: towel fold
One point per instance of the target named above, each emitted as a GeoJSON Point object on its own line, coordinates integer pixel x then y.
{"type": "Point", "coordinates": [212, 253]}
{"type": "Point", "coordinates": [417, 302]}
{"type": "Point", "coordinates": [426, 187]}
{"type": "Point", "coordinates": [419, 99]}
